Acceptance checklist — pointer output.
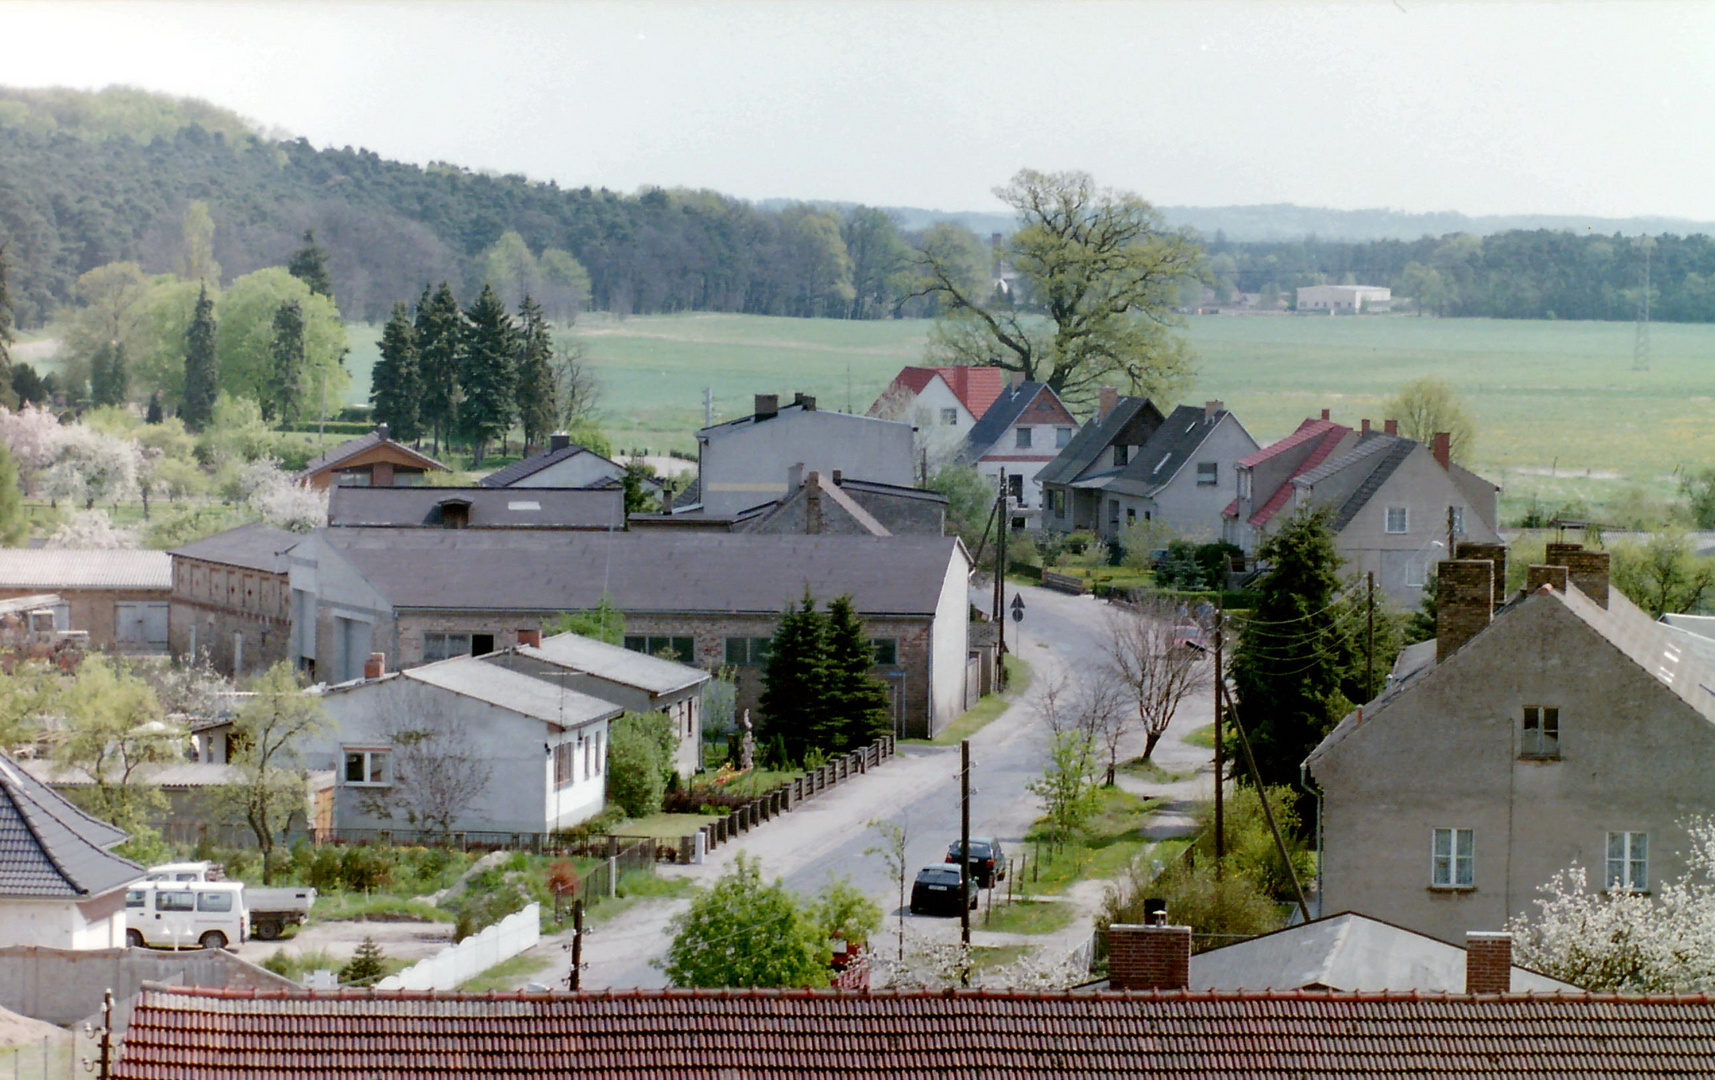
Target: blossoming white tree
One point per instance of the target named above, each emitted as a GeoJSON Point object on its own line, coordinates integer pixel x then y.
{"type": "Point", "coordinates": [92, 466]}
{"type": "Point", "coordinates": [32, 435]}
{"type": "Point", "coordinates": [280, 499]}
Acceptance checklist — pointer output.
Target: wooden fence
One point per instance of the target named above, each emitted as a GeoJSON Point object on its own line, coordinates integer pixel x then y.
{"type": "Point", "coordinates": [783, 799]}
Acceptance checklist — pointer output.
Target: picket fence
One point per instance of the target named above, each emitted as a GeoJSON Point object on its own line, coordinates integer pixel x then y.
{"type": "Point", "coordinates": [463, 962]}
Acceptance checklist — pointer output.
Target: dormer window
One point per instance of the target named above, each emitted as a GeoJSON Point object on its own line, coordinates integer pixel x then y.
{"type": "Point", "coordinates": [455, 514]}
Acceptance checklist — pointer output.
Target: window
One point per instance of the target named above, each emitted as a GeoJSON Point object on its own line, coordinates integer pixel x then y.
{"type": "Point", "coordinates": [886, 650]}
{"type": "Point", "coordinates": [1208, 473]}
{"type": "Point", "coordinates": [1122, 454]}
{"type": "Point", "coordinates": [354, 478]}
{"type": "Point", "coordinates": [1456, 515]}
{"type": "Point", "coordinates": [1628, 861]}
{"type": "Point", "coordinates": [1454, 863]}
{"type": "Point", "coordinates": [214, 901]}
{"type": "Point", "coordinates": [950, 417]}
{"type": "Point", "coordinates": [175, 901]}
{"type": "Point", "coordinates": [445, 646]}
{"type": "Point", "coordinates": [565, 764]}
{"type": "Point", "coordinates": [366, 768]}
{"type": "Point", "coordinates": [748, 651]}
{"type": "Point", "coordinates": [1062, 436]}
{"type": "Point", "coordinates": [1015, 487]}
{"type": "Point", "coordinates": [1022, 435]}
{"type": "Point", "coordinates": [1130, 516]}
{"type": "Point", "coordinates": [136, 898]}
{"type": "Point", "coordinates": [682, 649]}
{"type": "Point", "coordinates": [1396, 519]}
{"type": "Point", "coordinates": [1541, 732]}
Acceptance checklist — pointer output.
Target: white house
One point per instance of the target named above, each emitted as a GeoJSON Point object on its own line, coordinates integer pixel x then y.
{"type": "Point", "coordinates": [942, 403]}
{"type": "Point", "coordinates": [1026, 428]}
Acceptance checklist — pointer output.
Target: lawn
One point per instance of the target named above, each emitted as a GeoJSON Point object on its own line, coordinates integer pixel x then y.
{"type": "Point", "coordinates": [1027, 917]}
{"type": "Point", "coordinates": [1203, 736]}
{"type": "Point", "coordinates": [1155, 774]}
{"type": "Point", "coordinates": [663, 826]}
{"type": "Point", "coordinates": [1108, 845]}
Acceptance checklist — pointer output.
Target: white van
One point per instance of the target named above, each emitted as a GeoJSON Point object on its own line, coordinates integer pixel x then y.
{"type": "Point", "coordinates": [184, 871]}
{"type": "Point", "coordinates": [186, 914]}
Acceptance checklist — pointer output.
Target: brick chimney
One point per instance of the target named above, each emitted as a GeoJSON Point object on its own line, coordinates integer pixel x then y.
{"type": "Point", "coordinates": [1586, 569]}
{"type": "Point", "coordinates": [376, 666]}
{"type": "Point", "coordinates": [532, 638]}
{"type": "Point", "coordinates": [1441, 445]}
{"type": "Point", "coordinates": [1488, 963]}
{"type": "Point", "coordinates": [1464, 595]}
{"type": "Point", "coordinates": [1149, 957]}
{"type": "Point", "coordinates": [767, 407]}
{"type": "Point", "coordinates": [813, 522]}
{"type": "Point", "coordinates": [1325, 415]}
{"type": "Point", "coordinates": [1110, 401]}
{"type": "Point", "coordinates": [1390, 427]}
{"type": "Point", "coordinates": [1536, 576]}
{"type": "Point", "coordinates": [805, 400]}
{"type": "Point", "coordinates": [836, 478]}
{"type": "Point", "coordinates": [1366, 426]}
{"type": "Point", "coordinates": [559, 440]}
{"type": "Point", "coordinates": [1210, 408]}
{"type": "Point", "coordinates": [1495, 553]}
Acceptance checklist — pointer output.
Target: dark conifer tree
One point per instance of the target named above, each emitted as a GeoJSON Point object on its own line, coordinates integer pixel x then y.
{"type": "Point", "coordinates": [28, 385]}
{"type": "Point", "coordinates": [792, 702]}
{"type": "Point", "coordinates": [440, 328]}
{"type": "Point", "coordinates": [202, 366]}
{"type": "Point", "coordinates": [859, 708]}
{"type": "Point", "coordinates": [109, 380]}
{"type": "Point", "coordinates": [487, 373]}
{"type": "Point", "coordinates": [395, 386]}
{"type": "Point", "coordinates": [286, 374]}
{"type": "Point", "coordinates": [309, 265]}
{"type": "Point", "coordinates": [537, 397]}
{"type": "Point", "coordinates": [157, 412]}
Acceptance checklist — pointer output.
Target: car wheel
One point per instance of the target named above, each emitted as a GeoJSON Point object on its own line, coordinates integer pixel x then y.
{"type": "Point", "coordinates": [266, 930]}
{"type": "Point", "coordinates": [214, 939]}
{"type": "Point", "coordinates": [134, 939]}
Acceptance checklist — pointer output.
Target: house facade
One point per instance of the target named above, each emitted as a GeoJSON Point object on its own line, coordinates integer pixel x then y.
{"type": "Point", "coordinates": [563, 465]}
{"type": "Point", "coordinates": [1026, 428]}
{"type": "Point", "coordinates": [478, 508]}
{"type": "Point", "coordinates": [1565, 728]}
{"type": "Point", "coordinates": [1263, 480]}
{"type": "Point", "coordinates": [1181, 479]}
{"type": "Point", "coordinates": [942, 403]}
{"type": "Point", "coordinates": [1101, 449]}
{"type": "Point", "coordinates": [372, 460]}
{"type": "Point", "coordinates": [231, 601]}
{"type": "Point", "coordinates": [120, 598]}
{"type": "Point", "coordinates": [764, 456]}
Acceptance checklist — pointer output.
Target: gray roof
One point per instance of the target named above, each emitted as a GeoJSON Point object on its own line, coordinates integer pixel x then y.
{"type": "Point", "coordinates": [993, 424]}
{"type": "Point", "coordinates": [523, 694]}
{"type": "Point", "coordinates": [254, 546]}
{"type": "Point", "coordinates": [489, 508]}
{"type": "Point", "coordinates": [678, 570]}
{"type": "Point", "coordinates": [1346, 952]}
{"type": "Point", "coordinates": [1160, 459]}
{"type": "Point", "coordinates": [58, 570]}
{"type": "Point", "coordinates": [616, 664]}
{"type": "Point", "coordinates": [1091, 440]}
{"type": "Point", "coordinates": [353, 447]}
{"type": "Point", "coordinates": [535, 463]}
{"type": "Point", "coordinates": [49, 849]}
{"type": "Point", "coordinates": [1378, 455]}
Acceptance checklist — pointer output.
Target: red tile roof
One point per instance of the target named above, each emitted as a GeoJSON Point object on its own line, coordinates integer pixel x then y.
{"type": "Point", "coordinates": [179, 1034]}
{"type": "Point", "coordinates": [1328, 435]}
{"type": "Point", "coordinates": [975, 387]}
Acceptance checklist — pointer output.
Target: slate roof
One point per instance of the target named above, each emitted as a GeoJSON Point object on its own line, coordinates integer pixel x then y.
{"type": "Point", "coordinates": [535, 463]}
{"type": "Point", "coordinates": [1327, 436]}
{"type": "Point", "coordinates": [254, 547]}
{"type": "Point", "coordinates": [615, 664]}
{"type": "Point", "coordinates": [1379, 454]}
{"type": "Point", "coordinates": [352, 447]}
{"type": "Point", "coordinates": [51, 850]}
{"type": "Point", "coordinates": [1090, 441]}
{"type": "Point", "coordinates": [976, 386]}
{"type": "Point", "coordinates": [57, 570]}
{"type": "Point", "coordinates": [993, 425]}
{"type": "Point", "coordinates": [192, 1034]}
{"type": "Point", "coordinates": [1159, 460]}
{"type": "Point", "coordinates": [676, 570]}
{"type": "Point", "coordinates": [489, 508]}
{"type": "Point", "coordinates": [470, 676]}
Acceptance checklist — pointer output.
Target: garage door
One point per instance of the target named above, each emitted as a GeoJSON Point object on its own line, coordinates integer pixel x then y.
{"type": "Point", "coordinates": [143, 626]}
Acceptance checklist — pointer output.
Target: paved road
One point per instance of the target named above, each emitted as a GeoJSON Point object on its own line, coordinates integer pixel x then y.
{"type": "Point", "coordinates": [826, 838]}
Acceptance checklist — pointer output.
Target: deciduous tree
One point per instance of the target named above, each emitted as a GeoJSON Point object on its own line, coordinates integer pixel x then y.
{"type": "Point", "coordinates": [14, 526]}
{"type": "Point", "coordinates": [267, 733]}
{"type": "Point", "coordinates": [1146, 657]}
{"type": "Point", "coordinates": [197, 263]}
{"type": "Point", "coordinates": [640, 750]}
{"type": "Point", "coordinates": [440, 767]}
{"type": "Point", "coordinates": [109, 378]}
{"type": "Point", "coordinates": [7, 315]}
{"type": "Point", "coordinates": [113, 730]}
{"type": "Point", "coordinates": [1429, 405]}
{"type": "Point", "coordinates": [1663, 574]}
{"type": "Point", "coordinates": [1067, 789]}
{"type": "Point", "coordinates": [745, 932]}
{"type": "Point", "coordinates": [245, 336]}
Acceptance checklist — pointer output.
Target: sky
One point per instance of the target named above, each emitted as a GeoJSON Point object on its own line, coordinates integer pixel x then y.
{"type": "Point", "coordinates": [1606, 109]}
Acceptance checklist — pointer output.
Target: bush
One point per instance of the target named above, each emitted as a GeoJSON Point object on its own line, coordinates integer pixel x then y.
{"type": "Point", "coordinates": [639, 756]}
{"type": "Point", "coordinates": [1215, 910]}
{"type": "Point", "coordinates": [1251, 851]}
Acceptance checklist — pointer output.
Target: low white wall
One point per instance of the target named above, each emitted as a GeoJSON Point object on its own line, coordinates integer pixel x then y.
{"type": "Point", "coordinates": [471, 957]}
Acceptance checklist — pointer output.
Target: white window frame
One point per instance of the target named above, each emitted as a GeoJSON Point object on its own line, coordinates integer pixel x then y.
{"type": "Point", "coordinates": [1062, 437]}
{"type": "Point", "coordinates": [1453, 858]}
{"type": "Point", "coordinates": [1021, 438]}
{"type": "Point", "coordinates": [1416, 572]}
{"type": "Point", "coordinates": [371, 755]}
{"type": "Point", "coordinates": [1627, 862]}
{"type": "Point", "coordinates": [446, 639]}
{"type": "Point", "coordinates": [1539, 735]}
{"type": "Point", "coordinates": [1404, 520]}
{"type": "Point", "coordinates": [949, 418]}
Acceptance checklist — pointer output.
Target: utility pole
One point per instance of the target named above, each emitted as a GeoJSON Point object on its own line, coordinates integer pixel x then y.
{"type": "Point", "coordinates": [1220, 763]}
{"type": "Point", "coordinates": [575, 977]}
{"type": "Point", "coordinates": [1370, 640]}
{"type": "Point", "coordinates": [965, 857]}
{"type": "Point", "coordinates": [1001, 525]}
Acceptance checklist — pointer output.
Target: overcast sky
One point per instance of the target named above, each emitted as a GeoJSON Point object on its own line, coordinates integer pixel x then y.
{"type": "Point", "coordinates": [1602, 109]}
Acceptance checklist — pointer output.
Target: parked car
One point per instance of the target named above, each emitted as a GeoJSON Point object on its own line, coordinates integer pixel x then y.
{"type": "Point", "coordinates": [1190, 635]}
{"type": "Point", "coordinates": [186, 914]}
{"type": "Point", "coordinates": [988, 860]}
{"type": "Point", "coordinates": [271, 910]}
{"type": "Point", "coordinates": [936, 891]}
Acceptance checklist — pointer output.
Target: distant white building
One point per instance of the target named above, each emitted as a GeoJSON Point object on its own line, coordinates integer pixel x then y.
{"type": "Point", "coordinates": [1345, 299]}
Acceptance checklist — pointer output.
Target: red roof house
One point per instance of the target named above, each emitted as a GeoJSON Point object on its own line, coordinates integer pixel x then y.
{"type": "Point", "coordinates": [1265, 478]}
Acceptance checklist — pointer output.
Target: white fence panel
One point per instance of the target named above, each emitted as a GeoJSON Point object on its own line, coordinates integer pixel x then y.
{"type": "Point", "coordinates": [463, 962]}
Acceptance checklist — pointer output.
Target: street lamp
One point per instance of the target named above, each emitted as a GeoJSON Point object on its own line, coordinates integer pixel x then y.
{"type": "Point", "coordinates": [1017, 607]}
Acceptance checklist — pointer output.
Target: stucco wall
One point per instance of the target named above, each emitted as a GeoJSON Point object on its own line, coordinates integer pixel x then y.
{"type": "Point", "coordinates": [746, 466]}
{"type": "Point", "coordinates": [64, 924]}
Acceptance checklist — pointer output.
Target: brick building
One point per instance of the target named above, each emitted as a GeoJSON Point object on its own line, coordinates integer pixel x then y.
{"type": "Point", "coordinates": [120, 598]}
{"type": "Point", "coordinates": [230, 599]}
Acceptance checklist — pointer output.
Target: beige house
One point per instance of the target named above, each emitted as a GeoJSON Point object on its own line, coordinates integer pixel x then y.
{"type": "Point", "coordinates": [1565, 728]}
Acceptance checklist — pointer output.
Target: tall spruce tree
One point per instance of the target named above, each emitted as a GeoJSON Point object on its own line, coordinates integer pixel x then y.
{"type": "Point", "coordinates": [395, 385]}
{"type": "Point", "coordinates": [202, 366]}
{"type": "Point", "coordinates": [859, 707]}
{"type": "Point", "coordinates": [287, 362]}
{"type": "Point", "coordinates": [440, 328]}
{"type": "Point", "coordinates": [109, 379]}
{"type": "Point", "coordinates": [487, 373]}
{"type": "Point", "coordinates": [536, 386]}
{"type": "Point", "coordinates": [1293, 649]}
{"type": "Point", "coordinates": [309, 265]}
{"type": "Point", "coordinates": [793, 702]}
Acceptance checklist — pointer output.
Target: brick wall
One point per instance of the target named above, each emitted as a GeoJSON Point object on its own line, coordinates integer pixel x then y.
{"type": "Point", "coordinates": [1589, 571]}
{"type": "Point", "coordinates": [1495, 553]}
{"type": "Point", "coordinates": [1536, 576]}
{"type": "Point", "coordinates": [1149, 957]}
{"type": "Point", "coordinates": [1488, 963]}
{"type": "Point", "coordinates": [1464, 593]}
{"type": "Point", "coordinates": [212, 602]}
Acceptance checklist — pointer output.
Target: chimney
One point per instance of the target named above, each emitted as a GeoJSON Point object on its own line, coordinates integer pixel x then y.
{"type": "Point", "coordinates": [1210, 408]}
{"type": "Point", "coordinates": [1589, 571]}
{"type": "Point", "coordinates": [382, 431]}
{"type": "Point", "coordinates": [767, 407]}
{"type": "Point", "coordinates": [1495, 553]}
{"type": "Point", "coordinates": [559, 440]}
{"type": "Point", "coordinates": [807, 402]}
{"type": "Point", "coordinates": [1366, 429]}
{"type": "Point", "coordinates": [1488, 963]}
{"type": "Point", "coordinates": [1536, 576]}
{"type": "Point", "coordinates": [1441, 445]}
{"type": "Point", "coordinates": [813, 504]}
{"type": "Point", "coordinates": [1154, 957]}
{"type": "Point", "coordinates": [1390, 427]}
{"type": "Point", "coordinates": [532, 638]}
{"type": "Point", "coordinates": [836, 478]}
{"type": "Point", "coordinates": [1464, 602]}
{"type": "Point", "coordinates": [376, 666]}
{"type": "Point", "coordinates": [1110, 400]}
{"type": "Point", "coordinates": [1325, 415]}
{"type": "Point", "coordinates": [794, 478]}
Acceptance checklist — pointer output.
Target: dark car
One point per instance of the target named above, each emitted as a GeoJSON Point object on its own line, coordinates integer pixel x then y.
{"type": "Point", "coordinates": [988, 860]}
{"type": "Point", "coordinates": [936, 891]}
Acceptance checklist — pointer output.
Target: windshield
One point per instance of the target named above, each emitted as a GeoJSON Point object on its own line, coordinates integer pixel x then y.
{"type": "Point", "coordinates": [938, 877]}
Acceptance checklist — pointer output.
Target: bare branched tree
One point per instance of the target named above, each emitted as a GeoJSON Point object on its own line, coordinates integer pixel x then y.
{"type": "Point", "coordinates": [1146, 656]}
{"type": "Point", "coordinates": [439, 769]}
